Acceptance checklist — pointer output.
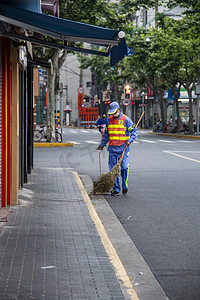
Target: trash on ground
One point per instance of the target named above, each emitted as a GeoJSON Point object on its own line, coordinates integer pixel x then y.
{"type": "Point", "coordinates": [48, 267]}
{"type": "Point", "coordinates": [137, 284]}
{"type": "Point", "coordinates": [140, 273]}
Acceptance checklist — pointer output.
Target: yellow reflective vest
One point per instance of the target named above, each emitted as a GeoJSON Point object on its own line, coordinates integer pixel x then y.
{"type": "Point", "coordinates": [117, 131]}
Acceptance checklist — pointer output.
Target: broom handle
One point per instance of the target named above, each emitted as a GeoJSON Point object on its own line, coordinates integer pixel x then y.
{"type": "Point", "coordinates": [136, 126]}
{"type": "Point", "coordinates": [140, 118]}
{"type": "Point", "coordinates": [124, 150]}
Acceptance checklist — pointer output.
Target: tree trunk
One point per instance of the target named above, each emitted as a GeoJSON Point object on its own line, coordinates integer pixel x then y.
{"type": "Point", "coordinates": [191, 129]}
{"type": "Point", "coordinates": [162, 108]}
{"type": "Point", "coordinates": [176, 94]}
{"type": "Point", "coordinates": [115, 89]}
{"type": "Point", "coordinates": [57, 62]}
{"type": "Point", "coordinates": [178, 115]}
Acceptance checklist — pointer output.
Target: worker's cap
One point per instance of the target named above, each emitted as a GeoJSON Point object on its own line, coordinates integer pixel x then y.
{"type": "Point", "coordinates": [113, 107]}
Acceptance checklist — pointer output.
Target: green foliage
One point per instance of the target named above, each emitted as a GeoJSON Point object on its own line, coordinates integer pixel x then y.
{"type": "Point", "coordinates": [86, 11]}
{"type": "Point", "coordinates": [191, 10]}
{"type": "Point", "coordinates": [99, 13]}
{"type": "Point", "coordinates": [191, 5]}
{"type": "Point", "coordinates": [101, 67]}
{"type": "Point", "coordinates": [171, 54]}
{"type": "Point", "coordinates": [180, 50]}
{"type": "Point", "coordinates": [102, 12]}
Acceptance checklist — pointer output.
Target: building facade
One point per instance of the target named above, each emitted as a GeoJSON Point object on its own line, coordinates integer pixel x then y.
{"type": "Point", "coordinates": [16, 113]}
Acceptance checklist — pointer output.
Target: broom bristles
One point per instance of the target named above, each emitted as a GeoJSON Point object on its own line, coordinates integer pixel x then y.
{"type": "Point", "coordinates": [106, 181]}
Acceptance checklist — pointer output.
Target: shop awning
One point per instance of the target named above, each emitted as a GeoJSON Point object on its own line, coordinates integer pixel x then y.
{"type": "Point", "coordinates": [66, 30]}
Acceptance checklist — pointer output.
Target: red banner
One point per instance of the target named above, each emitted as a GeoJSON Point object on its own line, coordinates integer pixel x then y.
{"type": "Point", "coordinates": [150, 93]}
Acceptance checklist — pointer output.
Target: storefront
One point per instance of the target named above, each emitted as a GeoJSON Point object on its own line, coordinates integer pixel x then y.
{"type": "Point", "coordinates": [16, 85]}
{"type": "Point", "coordinates": [6, 122]}
{"type": "Point", "coordinates": [0, 125]}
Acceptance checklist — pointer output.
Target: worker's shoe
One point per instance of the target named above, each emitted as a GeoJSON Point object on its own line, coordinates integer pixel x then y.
{"type": "Point", "coordinates": [124, 191]}
{"type": "Point", "coordinates": [114, 193]}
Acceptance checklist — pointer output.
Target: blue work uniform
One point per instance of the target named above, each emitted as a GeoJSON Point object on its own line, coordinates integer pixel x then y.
{"type": "Point", "coordinates": [116, 151]}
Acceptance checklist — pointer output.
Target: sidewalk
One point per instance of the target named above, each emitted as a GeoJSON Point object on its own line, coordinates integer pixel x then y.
{"type": "Point", "coordinates": [50, 248]}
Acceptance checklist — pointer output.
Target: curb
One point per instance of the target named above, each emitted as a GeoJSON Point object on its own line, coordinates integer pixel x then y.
{"type": "Point", "coordinates": [80, 127]}
{"type": "Point", "coordinates": [177, 135]}
{"type": "Point", "coordinates": [53, 144]}
{"type": "Point", "coordinates": [121, 274]}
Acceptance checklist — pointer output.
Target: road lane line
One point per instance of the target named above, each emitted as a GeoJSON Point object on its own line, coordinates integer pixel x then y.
{"type": "Point", "coordinates": [186, 151]}
{"type": "Point", "coordinates": [94, 131]}
{"type": "Point", "coordinates": [121, 273]}
{"type": "Point", "coordinates": [181, 156]}
{"type": "Point", "coordinates": [189, 142]}
{"type": "Point", "coordinates": [73, 131]}
{"type": "Point", "coordinates": [164, 141]}
{"type": "Point", "coordinates": [85, 131]}
{"type": "Point", "coordinates": [75, 143]}
{"type": "Point", "coordinates": [92, 142]}
{"type": "Point", "coordinates": [148, 141]}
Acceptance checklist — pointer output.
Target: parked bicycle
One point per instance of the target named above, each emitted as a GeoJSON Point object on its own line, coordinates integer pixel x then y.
{"type": "Point", "coordinates": [41, 133]}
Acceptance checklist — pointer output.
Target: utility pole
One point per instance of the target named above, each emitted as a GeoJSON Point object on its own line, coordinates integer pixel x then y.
{"type": "Point", "coordinates": [81, 77]}
{"type": "Point", "coordinates": [143, 110]}
{"type": "Point", "coordinates": [61, 107]}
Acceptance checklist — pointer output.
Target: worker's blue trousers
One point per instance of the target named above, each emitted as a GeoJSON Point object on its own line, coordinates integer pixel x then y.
{"type": "Point", "coordinates": [113, 158]}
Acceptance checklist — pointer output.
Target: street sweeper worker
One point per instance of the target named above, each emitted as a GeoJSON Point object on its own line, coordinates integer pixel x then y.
{"type": "Point", "coordinates": [121, 131]}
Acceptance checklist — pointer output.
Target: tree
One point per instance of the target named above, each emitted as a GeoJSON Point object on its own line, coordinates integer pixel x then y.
{"type": "Point", "coordinates": [57, 61]}
{"type": "Point", "coordinates": [143, 68]}
{"type": "Point", "coordinates": [168, 61]}
{"type": "Point", "coordinates": [116, 16]}
{"type": "Point", "coordinates": [104, 74]}
{"type": "Point", "coordinates": [191, 10]}
{"type": "Point", "coordinates": [179, 58]}
{"type": "Point", "coordinates": [102, 12]}
{"type": "Point", "coordinates": [91, 12]}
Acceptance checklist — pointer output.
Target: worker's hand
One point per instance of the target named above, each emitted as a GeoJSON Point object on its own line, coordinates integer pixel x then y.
{"type": "Point", "coordinates": [128, 143]}
{"type": "Point", "coordinates": [100, 148]}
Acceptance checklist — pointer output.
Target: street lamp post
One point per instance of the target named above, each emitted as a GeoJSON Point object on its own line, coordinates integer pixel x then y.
{"type": "Point", "coordinates": [142, 109]}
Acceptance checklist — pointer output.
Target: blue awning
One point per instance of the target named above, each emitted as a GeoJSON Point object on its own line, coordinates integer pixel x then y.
{"type": "Point", "coordinates": [66, 30]}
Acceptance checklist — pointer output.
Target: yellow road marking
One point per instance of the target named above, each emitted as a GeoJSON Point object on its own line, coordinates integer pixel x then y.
{"type": "Point", "coordinates": [185, 157]}
{"type": "Point", "coordinates": [53, 144]}
{"type": "Point", "coordinates": [120, 271]}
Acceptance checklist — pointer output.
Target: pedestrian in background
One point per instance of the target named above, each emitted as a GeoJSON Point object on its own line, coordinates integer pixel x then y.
{"type": "Point", "coordinates": [120, 131]}
{"type": "Point", "coordinates": [102, 123]}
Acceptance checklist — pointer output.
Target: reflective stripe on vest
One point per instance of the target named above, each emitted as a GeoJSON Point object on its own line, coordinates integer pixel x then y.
{"type": "Point", "coordinates": [117, 131]}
